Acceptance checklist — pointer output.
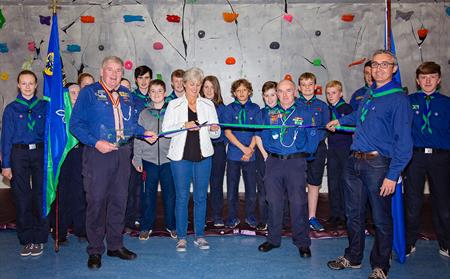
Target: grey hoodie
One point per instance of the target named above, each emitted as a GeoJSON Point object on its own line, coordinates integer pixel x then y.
{"type": "Point", "coordinates": [151, 119]}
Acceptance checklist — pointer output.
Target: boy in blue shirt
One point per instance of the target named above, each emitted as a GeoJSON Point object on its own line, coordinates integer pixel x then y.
{"type": "Point", "coordinates": [240, 154]}
{"type": "Point", "coordinates": [320, 116]}
{"type": "Point", "coordinates": [176, 81]}
{"type": "Point", "coordinates": [431, 139]}
{"type": "Point", "coordinates": [337, 155]}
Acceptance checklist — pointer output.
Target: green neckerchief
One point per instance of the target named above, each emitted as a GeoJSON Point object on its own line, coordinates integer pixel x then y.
{"type": "Point", "coordinates": [242, 116]}
{"type": "Point", "coordinates": [31, 122]}
{"type": "Point", "coordinates": [146, 98]}
{"type": "Point", "coordinates": [426, 114]}
{"type": "Point", "coordinates": [307, 102]}
{"type": "Point", "coordinates": [157, 113]}
{"type": "Point", "coordinates": [365, 108]}
{"type": "Point", "coordinates": [334, 109]}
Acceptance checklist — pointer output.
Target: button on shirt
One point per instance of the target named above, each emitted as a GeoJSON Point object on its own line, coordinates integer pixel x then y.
{"type": "Point", "coordinates": [439, 120]}
{"type": "Point", "coordinates": [231, 116]}
{"type": "Point", "coordinates": [386, 128]}
{"type": "Point", "coordinates": [289, 140]}
{"type": "Point", "coordinates": [320, 114]}
{"type": "Point", "coordinates": [22, 125]}
{"type": "Point", "coordinates": [93, 116]}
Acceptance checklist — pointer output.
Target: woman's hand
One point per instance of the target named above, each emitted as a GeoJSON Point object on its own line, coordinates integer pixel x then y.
{"type": "Point", "coordinates": [191, 126]}
{"type": "Point", "coordinates": [214, 128]}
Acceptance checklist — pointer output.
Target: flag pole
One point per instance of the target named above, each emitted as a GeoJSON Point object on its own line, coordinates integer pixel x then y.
{"type": "Point", "coordinates": [388, 25]}
{"type": "Point", "coordinates": [54, 8]}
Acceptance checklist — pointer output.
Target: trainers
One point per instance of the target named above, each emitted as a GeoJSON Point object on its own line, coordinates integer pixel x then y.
{"type": "Point", "coordinates": [261, 227]}
{"type": "Point", "coordinates": [218, 223]}
{"type": "Point", "coordinates": [26, 250]}
{"type": "Point", "coordinates": [251, 221]}
{"type": "Point", "coordinates": [342, 263]}
{"type": "Point", "coordinates": [181, 245]}
{"type": "Point", "coordinates": [173, 233]}
{"type": "Point", "coordinates": [144, 235]}
{"type": "Point", "coordinates": [201, 243]}
{"type": "Point", "coordinates": [410, 249]}
{"type": "Point", "coordinates": [377, 273]}
{"type": "Point", "coordinates": [315, 225]}
{"type": "Point", "coordinates": [37, 249]}
{"type": "Point", "coordinates": [444, 252]}
{"type": "Point", "coordinates": [233, 223]}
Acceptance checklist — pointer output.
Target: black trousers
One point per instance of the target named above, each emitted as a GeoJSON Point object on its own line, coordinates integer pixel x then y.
{"type": "Point", "coordinates": [106, 179]}
{"type": "Point", "coordinates": [336, 162]}
{"type": "Point", "coordinates": [437, 168]}
{"type": "Point", "coordinates": [32, 226]}
{"type": "Point", "coordinates": [72, 198]}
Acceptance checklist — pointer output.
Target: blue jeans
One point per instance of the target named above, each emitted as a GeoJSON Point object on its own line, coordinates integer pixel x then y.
{"type": "Point", "coordinates": [163, 175]}
{"type": "Point", "coordinates": [183, 172]}
{"type": "Point", "coordinates": [233, 177]}
{"type": "Point", "coordinates": [363, 180]}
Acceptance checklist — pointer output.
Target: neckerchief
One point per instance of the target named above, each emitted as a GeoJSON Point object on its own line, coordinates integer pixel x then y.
{"type": "Point", "coordinates": [157, 113]}
{"type": "Point", "coordinates": [365, 108]}
{"type": "Point", "coordinates": [426, 114]}
{"type": "Point", "coordinates": [146, 98]}
{"type": "Point", "coordinates": [31, 122]}
{"type": "Point", "coordinates": [307, 102]}
{"type": "Point", "coordinates": [242, 116]}
{"type": "Point", "coordinates": [334, 113]}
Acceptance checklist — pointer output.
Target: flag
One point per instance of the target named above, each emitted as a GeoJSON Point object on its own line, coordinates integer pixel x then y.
{"type": "Point", "coordinates": [398, 217]}
{"type": "Point", "coordinates": [57, 141]}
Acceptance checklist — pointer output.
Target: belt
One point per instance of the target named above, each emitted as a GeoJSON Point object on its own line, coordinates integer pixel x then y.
{"type": "Point", "coordinates": [365, 155]}
{"type": "Point", "coordinates": [289, 156]}
{"type": "Point", "coordinates": [428, 150]}
{"type": "Point", "coordinates": [30, 146]}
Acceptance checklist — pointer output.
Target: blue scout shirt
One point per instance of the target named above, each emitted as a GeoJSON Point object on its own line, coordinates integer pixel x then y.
{"type": "Point", "coordinates": [140, 100]}
{"type": "Point", "coordinates": [438, 117]}
{"type": "Point", "coordinates": [320, 114]}
{"type": "Point", "coordinates": [23, 123]}
{"type": "Point", "coordinates": [235, 113]}
{"type": "Point", "coordinates": [220, 109]}
{"type": "Point", "coordinates": [92, 116]}
{"type": "Point", "coordinates": [386, 127]}
{"type": "Point", "coordinates": [358, 96]}
{"type": "Point", "coordinates": [340, 139]}
{"type": "Point", "coordinates": [290, 140]}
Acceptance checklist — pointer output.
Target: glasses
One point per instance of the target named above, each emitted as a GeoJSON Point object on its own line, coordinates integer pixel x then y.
{"type": "Point", "coordinates": [383, 65]}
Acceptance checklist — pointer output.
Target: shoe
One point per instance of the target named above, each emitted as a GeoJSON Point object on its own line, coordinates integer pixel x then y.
{"type": "Point", "coordinates": [94, 261]}
{"type": "Point", "coordinates": [261, 227]}
{"type": "Point", "coordinates": [37, 249]}
{"type": "Point", "coordinates": [122, 253]}
{"type": "Point", "coordinates": [251, 221]}
{"type": "Point", "coordinates": [267, 246]}
{"type": "Point", "coordinates": [315, 225]}
{"type": "Point", "coordinates": [444, 252]}
{"type": "Point", "coordinates": [305, 252]}
{"type": "Point", "coordinates": [377, 273]}
{"type": "Point", "coordinates": [410, 249]}
{"type": "Point", "coordinates": [173, 233]}
{"type": "Point", "coordinates": [181, 245]}
{"type": "Point", "coordinates": [26, 250]}
{"type": "Point", "coordinates": [144, 235]}
{"type": "Point", "coordinates": [201, 243]}
{"type": "Point", "coordinates": [342, 263]}
{"type": "Point", "coordinates": [233, 223]}
{"type": "Point", "coordinates": [219, 223]}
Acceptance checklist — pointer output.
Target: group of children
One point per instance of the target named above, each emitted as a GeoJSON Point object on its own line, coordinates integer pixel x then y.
{"type": "Point", "coordinates": [238, 150]}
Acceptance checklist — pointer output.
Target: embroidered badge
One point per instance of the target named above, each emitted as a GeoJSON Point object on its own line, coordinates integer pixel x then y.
{"type": "Point", "coordinates": [275, 136]}
{"type": "Point", "coordinates": [123, 94]}
{"type": "Point", "coordinates": [415, 106]}
{"type": "Point", "coordinates": [101, 95]}
{"type": "Point", "coordinates": [359, 98]}
{"type": "Point", "coordinates": [298, 120]}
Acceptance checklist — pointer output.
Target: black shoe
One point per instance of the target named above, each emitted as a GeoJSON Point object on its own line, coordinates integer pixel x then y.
{"type": "Point", "coordinates": [122, 253]}
{"type": "Point", "coordinates": [95, 261]}
{"type": "Point", "coordinates": [305, 252]}
{"type": "Point", "coordinates": [267, 246]}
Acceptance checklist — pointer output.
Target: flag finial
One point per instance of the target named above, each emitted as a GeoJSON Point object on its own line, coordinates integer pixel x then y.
{"type": "Point", "coordinates": [54, 6]}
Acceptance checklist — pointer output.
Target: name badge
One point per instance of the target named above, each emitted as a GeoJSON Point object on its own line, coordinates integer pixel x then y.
{"type": "Point", "coordinates": [32, 146]}
{"type": "Point", "coordinates": [428, 150]}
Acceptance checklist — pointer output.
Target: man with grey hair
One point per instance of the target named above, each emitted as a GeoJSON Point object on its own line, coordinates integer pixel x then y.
{"type": "Point", "coordinates": [104, 119]}
{"type": "Point", "coordinates": [382, 147]}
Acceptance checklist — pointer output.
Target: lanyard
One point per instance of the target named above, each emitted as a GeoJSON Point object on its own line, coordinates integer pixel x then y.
{"type": "Point", "coordinates": [31, 122]}
{"type": "Point", "coordinates": [285, 115]}
{"type": "Point", "coordinates": [365, 108]}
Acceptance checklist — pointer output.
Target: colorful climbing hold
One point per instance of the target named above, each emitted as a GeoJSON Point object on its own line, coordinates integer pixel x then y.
{"type": "Point", "coordinates": [31, 46]}
{"type": "Point", "coordinates": [87, 19]}
{"type": "Point", "coordinates": [274, 45]}
{"type": "Point", "coordinates": [158, 46]}
{"type": "Point", "coordinates": [230, 61]}
{"type": "Point", "coordinates": [288, 17]}
{"type": "Point", "coordinates": [73, 48]}
{"type": "Point", "coordinates": [173, 18]}
{"type": "Point", "coordinates": [347, 17]}
{"type": "Point", "coordinates": [230, 17]}
{"type": "Point", "coordinates": [128, 64]}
